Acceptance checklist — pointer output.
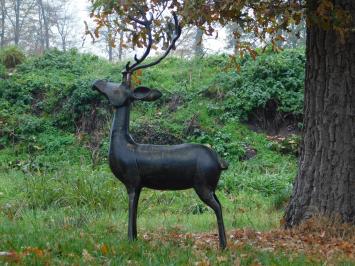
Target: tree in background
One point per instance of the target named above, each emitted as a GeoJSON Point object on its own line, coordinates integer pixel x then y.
{"type": "Point", "coordinates": [17, 14]}
{"type": "Point", "coordinates": [111, 36]}
{"type": "Point", "coordinates": [43, 11]}
{"type": "Point", "coordinates": [3, 12]}
{"type": "Point", "coordinates": [296, 37]}
{"type": "Point", "coordinates": [235, 39]}
{"type": "Point", "coordinates": [325, 183]}
{"type": "Point", "coordinates": [198, 43]}
{"type": "Point", "coordinates": [36, 25]}
{"type": "Point", "coordinates": [64, 22]}
{"type": "Point", "coordinates": [186, 43]}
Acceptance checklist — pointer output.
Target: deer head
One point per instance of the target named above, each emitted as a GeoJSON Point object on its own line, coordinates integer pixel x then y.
{"type": "Point", "coordinates": [122, 94]}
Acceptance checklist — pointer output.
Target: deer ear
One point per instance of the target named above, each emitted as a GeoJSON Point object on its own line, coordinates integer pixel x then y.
{"type": "Point", "coordinates": [146, 94]}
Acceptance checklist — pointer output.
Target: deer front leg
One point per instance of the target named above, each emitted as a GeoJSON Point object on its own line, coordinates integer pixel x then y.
{"type": "Point", "coordinates": [133, 197]}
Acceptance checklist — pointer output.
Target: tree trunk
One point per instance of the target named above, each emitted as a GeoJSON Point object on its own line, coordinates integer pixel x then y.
{"type": "Point", "coordinates": [325, 183]}
{"type": "Point", "coordinates": [41, 37]}
{"type": "Point", "coordinates": [120, 48]}
{"type": "Point", "coordinates": [109, 44]}
{"type": "Point", "coordinates": [17, 21]}
{"type": "Point", "coordinates": [198, 46]}
{"type": "Point", "coordinates": [3, 14]}
{"type": "Point", "coordinates": [64, 44]}
{"type": "Point", "coordinates": [236, 46]}
{"type": "Point", "coordinates": [45, 23]}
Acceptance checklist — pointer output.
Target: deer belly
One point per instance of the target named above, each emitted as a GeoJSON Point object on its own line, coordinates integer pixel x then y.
{"type": "Point", "coordinates": [168, 178]}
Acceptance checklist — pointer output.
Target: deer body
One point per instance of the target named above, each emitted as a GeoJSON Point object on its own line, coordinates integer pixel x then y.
{"type": "Point", "coordinates": [161, 167]}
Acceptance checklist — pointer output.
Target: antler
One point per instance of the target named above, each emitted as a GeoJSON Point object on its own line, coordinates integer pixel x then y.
{"type": "Point", "coordinates": [147, 24]}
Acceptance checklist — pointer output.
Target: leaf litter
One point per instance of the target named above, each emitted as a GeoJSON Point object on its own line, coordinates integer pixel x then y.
{"type": "Point", "coordinates": [317, 238]}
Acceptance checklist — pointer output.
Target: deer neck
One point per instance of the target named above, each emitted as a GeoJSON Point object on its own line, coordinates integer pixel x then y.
{"type": "Point", "coordinates": [120, 125]}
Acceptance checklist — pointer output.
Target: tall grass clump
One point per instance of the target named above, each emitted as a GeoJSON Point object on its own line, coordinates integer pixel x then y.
{"type": "Point", "coordinates": [11, 56]}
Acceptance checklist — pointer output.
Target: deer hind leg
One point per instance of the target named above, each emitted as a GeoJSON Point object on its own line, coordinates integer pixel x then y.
{"type": "Point", "coordinates": [133, 197]}
{"type": "Point", "coordinates": [209, 197]}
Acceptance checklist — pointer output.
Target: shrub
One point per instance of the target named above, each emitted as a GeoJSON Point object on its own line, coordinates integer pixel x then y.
{"type": "Point", "coordinates": [3, 71]}
{"type": "Point", "coordinates": [57, 84]}
{"type": "Point", "coordinates": [222, 143]}
{"type": "Point", "coordinates": [12, 56]}
{"type": "Point", "coordinates": [276, 78]}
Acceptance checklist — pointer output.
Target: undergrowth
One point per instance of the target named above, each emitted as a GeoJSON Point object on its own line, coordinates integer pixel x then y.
{"type": "Point", "coordinates": [59, 202]}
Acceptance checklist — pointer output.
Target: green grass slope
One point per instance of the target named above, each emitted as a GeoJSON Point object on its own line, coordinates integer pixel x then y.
{"type": "Point", "coordinates": [59, 202]}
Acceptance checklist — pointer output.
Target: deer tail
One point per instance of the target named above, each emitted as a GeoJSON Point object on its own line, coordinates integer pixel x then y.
{"type": "Point", "coordinates": [223, 163]}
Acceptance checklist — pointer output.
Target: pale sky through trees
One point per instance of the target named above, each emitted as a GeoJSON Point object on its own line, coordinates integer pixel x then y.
{"type": "Point", "coordinates": [81, 7]}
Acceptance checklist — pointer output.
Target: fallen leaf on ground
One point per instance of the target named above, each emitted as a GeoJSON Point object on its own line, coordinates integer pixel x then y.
{"type": "Point", "coordinates": [104, 249]}
{"type": "Point", "coordinates": [315, 238]}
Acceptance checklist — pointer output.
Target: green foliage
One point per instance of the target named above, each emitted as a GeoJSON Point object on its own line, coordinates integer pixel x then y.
{"type": "Point", "coordinates": [223, 143]}
{"type": "Point", "coordinates": [11, 56]}
{"type": "Point", "coordinates": [50, 116]}
{"type": "Point", "coordinates": [276, 78]}
{"type": "Point", "coordinates": [3, 71]}
{"type": "Point", "coordinates": [55, 87]}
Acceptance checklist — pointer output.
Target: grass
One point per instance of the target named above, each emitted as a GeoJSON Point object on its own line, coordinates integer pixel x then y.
{"type": "Point", "coordinates": [74, 214]}
{"type": "Point", "coordinates": [69, 213]}
{"type": "Point", "coordinates": [58, 208]}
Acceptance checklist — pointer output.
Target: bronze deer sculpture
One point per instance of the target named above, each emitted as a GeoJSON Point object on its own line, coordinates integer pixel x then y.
{"type": "Point", "coordinates": [161, 167]}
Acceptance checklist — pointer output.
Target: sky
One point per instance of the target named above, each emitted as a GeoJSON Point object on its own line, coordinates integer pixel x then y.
{"type": "Point", "coordinates": [81, 7]}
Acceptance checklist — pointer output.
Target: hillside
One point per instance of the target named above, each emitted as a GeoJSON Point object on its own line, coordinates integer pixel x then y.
{"type": "Point", "coordinates": [54, 140]}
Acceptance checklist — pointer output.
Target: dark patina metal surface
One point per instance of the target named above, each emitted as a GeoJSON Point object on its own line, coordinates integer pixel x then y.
{"type": "Point", "coordinates": [162, 167]}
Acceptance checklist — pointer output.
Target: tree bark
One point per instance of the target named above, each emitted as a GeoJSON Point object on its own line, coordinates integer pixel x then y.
{"type": "Point", "coordinates": [120, 48]}
{"type": "Point", "coordinates": [109, 44]}
{"type": "Point", "coordinates": [325, 183]}
{"type": "Point", "coordinates": [110, 53]}
{"type": "Point", "coordinates": [45, 23]}
{"type": "Point", "coordinates": [198, 45]}
{"type": "Point", "coordinates": [17, 21]}
{"type": "Point", "coordinates": [3, 15]}
{"type": "Point", "coordinates": [41, 37]}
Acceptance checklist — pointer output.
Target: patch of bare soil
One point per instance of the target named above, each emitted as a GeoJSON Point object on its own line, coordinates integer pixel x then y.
{"type": "Point", "coordinates": [150, 133]}
{"type": "Point", "coordinates": [268, 120]}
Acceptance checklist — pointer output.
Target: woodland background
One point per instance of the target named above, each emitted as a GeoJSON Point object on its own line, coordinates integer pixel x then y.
{"type": "Point", "coordinates": [59, 202]}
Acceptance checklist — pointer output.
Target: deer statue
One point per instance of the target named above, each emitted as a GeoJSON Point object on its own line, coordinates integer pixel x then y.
{"type": "Point", "coordinates": [161, 167]}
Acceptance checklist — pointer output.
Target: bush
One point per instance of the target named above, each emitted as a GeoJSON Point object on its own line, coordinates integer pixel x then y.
{"type": "Point", "coordinates": [12, 56]}
{"type": "Point", "coordinates": [271, 78]}
{"type": "Point", "coordinates": [223, 144]}
{"type": "Point", "coordinates": [57, 84]}
{"type": "Point", "coordinates": [3, 71]}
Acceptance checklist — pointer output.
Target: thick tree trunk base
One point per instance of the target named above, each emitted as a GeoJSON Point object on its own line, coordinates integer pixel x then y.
{"type": "Point", "coordinates": [325, 183]}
